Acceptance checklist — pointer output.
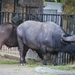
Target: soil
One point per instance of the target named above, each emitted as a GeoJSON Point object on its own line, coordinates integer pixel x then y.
{"type": "Point", "coordinates": [8, 69]}
{"type": "Point", "coordinates": [25, 70]}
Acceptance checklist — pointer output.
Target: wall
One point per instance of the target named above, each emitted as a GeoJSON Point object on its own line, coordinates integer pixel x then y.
{"type": "Point", "coordinates": [53, 6]}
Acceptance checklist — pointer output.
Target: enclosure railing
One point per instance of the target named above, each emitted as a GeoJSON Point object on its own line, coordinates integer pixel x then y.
{"type": "Point", "coordinates": [66, 21]}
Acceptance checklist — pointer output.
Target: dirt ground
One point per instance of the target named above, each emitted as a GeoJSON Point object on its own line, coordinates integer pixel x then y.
{"type": "Point", "coordinates": [16, 69]}
{"type": "Point", "coordinates": [25, 70]}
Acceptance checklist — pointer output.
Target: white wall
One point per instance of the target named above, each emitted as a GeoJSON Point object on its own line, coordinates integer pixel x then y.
{"type": "Point", "coordinates": [53, 6]}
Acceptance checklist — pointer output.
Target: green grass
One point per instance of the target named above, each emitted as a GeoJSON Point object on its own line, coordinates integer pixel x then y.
{"type": "Point", "coordinates": [8, 61]}
{"type": "Point", "coordinates": [33, 64]}
{"type": "Point", "coordinates": [66, 67]}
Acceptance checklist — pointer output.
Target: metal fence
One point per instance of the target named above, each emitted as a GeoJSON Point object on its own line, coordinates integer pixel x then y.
{"type": "Point", "coordinates": [67, 22]}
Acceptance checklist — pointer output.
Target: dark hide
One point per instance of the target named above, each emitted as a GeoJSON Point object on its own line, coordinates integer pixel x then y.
{"type": "Point", "coordinates": [8, 35]}
{"type": "Point", "coordinates": [42, 37]}
{"type": "Point", "coordinates": [70, 48]}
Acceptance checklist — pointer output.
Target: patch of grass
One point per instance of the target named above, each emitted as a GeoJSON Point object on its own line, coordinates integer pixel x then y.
{"type": "Point", "coordinates": [33, 63]}
{"type": "Point", "coordinates": [66, 67]}
{"type": "Point", "coordinates": [8, 61]}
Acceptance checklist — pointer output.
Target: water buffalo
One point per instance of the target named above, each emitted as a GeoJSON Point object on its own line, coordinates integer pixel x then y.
{"type": "Point", "coordinates": [43, 37]}
{"type": "Point", "coordinates": [8, 35]}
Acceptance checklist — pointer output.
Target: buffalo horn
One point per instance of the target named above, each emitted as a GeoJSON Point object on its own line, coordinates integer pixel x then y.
{"type": "Point", "coordinates": [68, 38]}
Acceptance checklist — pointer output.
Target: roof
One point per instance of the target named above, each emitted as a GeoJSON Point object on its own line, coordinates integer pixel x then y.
{"type": "Point", "coordinates": [31, 3]}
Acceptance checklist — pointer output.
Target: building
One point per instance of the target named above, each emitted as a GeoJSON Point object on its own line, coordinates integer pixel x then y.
{"type": "Point", "coordinates": [53, 8]}
{"type": "Point", "coordinates": [32, 7]}
{"type": "Point", "coordinates": [21, 6]}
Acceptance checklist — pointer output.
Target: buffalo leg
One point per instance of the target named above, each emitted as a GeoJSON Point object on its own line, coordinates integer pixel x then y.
{"type": "Point", "coordinates": [24, 53]}
{"type": "Point", "coordinates": [39, 54]}
{"type": "Point", "coordinates": [21, 50]}
{"type": "Point", "coordinates": [2, 41]}
{"type": "Point", "coordinates": [44, 55]}
{"type": "Point", "coordinates": [54, 59]}
{"type": "Point", "coordinates": [44, 59]}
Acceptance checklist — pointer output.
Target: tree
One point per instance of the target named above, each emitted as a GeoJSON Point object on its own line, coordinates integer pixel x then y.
{"type": "Point", "coordinates": [69, 7]}
{"type": "Point", "coordinates": [55, 0]}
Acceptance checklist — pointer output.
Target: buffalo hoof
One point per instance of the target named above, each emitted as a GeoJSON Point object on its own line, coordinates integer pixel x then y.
{"type": "Point", "coordinates": [45, 63]}
{"type": "Point", "coordinates": [22, 64]}
{"type": "Point", "coordinates": [55, 64]}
